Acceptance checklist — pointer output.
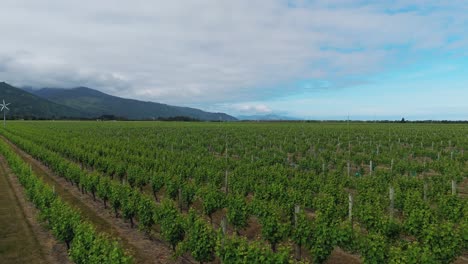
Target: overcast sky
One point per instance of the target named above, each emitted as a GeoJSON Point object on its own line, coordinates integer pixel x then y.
{"type": "Point", "coordinates": [311, 59]}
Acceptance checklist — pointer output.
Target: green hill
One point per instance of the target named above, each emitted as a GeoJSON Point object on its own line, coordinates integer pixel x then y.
{"type": "Point", "coordinates": [24, 105]}
{"type": "Point", "coordinates": [97, 103]}
{"type": "Point", "coordinates": [86, 103]}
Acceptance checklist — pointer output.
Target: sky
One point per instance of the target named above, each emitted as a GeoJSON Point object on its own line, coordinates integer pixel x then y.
{"type": "Point", "coordinates": [307, 59]}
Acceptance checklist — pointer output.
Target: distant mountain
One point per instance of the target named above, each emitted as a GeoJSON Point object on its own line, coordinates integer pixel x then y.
{"type": "Point", "coordinates": [269, 117]}
{"type": "Point", "coordinates": [96, 103]}
{"type": "Point", "coordinates": [28, 89]}
{"type": "Point", "coordinates": [26, 105]}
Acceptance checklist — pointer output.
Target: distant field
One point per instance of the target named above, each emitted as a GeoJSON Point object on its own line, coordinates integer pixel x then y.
{"type": "Point", "coordinates": [263, 192]}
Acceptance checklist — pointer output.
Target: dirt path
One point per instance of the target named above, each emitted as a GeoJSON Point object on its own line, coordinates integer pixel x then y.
{"type": "Point", "coordinates": [338, 256]}
{"type": "Point", "coordinates": [22, 238]}
{"type": "Point", "coordinates": [144, 249]}
{"type": "Point", "coordinates": [463, 188]}
{"type": "Point", "coordinates": [462, 259]}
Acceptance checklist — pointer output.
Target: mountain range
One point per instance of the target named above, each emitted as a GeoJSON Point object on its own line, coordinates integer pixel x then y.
{"type": "Point", "coordinates": [87, 103]}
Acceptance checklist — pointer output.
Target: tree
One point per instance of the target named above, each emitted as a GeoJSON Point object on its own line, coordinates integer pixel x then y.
{"type": "Point", "coordinates": [238, 250]}
{"type": "Point", "coordinates": [171, 222]}
{"type": "Point", "coordinates": [212, 200]}
{"type": "Point", "coordinates": [63, 221]}
{"type": "Point", "coordinates": [146, 211]}
{"type": "Point", "coordinates": [237, 212]}
{"type": "Point", "coordinates": [200, 239]}
{"type": "Point", "coordinates": [374, 248]}
{"type": "Point", "coordinates": [157, 182]}
{"type": "Point", "coordinates": [273, 230]}
{"type": "Point", "coordinates": [130, 203]}
{"type": "Point", "coordinates": [116, 197]}
{"type": "Point", "coordinates": [92, 183]}
{"type": "Point", "coordinates": [443, 240]}
{"type": "Point", "coordinates": [302, 231]}
{"type": "Point", "coordinates": [104, 189]}
{"type": "Point", "coordinates": [85, 236]}
{"type": "Point", "coordinates": [188, 191]}
{"type": "Point", "coordinates": [105, 250]}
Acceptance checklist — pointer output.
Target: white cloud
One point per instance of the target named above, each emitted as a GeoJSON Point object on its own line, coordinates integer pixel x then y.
{"type": "Point", "coordinates": [211, 51]}
{"type": "Point", "coordinates": [251, 108]}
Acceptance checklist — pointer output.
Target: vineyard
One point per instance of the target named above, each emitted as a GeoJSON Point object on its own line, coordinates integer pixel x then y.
{"type": "Point", "coordinates": [252, 192]}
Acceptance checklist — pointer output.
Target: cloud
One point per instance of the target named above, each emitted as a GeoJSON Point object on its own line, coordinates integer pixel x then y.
{"type": "Point", "coordinates": [28, 69]}
{"type": "Point", "coordinates": [251, 108]}
{"type": "Point", "coordinates": [211, 51]}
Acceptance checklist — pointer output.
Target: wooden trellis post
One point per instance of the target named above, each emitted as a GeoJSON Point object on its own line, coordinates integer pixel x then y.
{"type": "Point", "coordinates": [226, 151]}
{"type": "Point", "coordinates": [226, 181]}
{"type": "Point", "coordinates": [224, 225]}
{"type": "Point", "coordinates": [392, 200]}
{"type": "Point", "coordinates": [454, 187]}
{"type": "Point", "coordinates": [223, 229]}
{"type": "Point", "coordinates": [425, 191]}
{"type": "Point", "coordinates": [349, 168]}
{"type": "Point", "coordinates": [350, 208]}
{"type": "Point", "coordinates": [297, 247]}
{"type": "Point", "coordinates": [370, 167]}
{"type": "Point", "coordinates": [180, 198]}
